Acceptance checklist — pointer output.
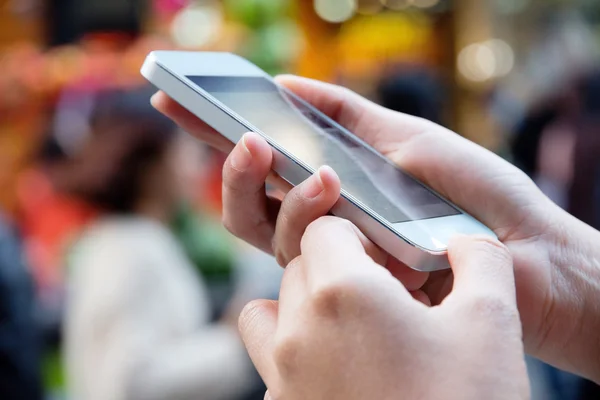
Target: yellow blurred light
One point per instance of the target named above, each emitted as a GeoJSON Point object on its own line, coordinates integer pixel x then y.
{"type": "Point", "coordinates": [425, 3]}
{"type": "Point", "coordinates": [335, 11]}
{"type": "Point", "coordinates": [397, 4]}
{"type": "Point", "coordinates": [196, 26]}
{"type": "Point", "coordinates": [382, 38]}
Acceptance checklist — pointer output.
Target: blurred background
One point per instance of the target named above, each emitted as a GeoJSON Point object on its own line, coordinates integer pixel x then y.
{"type": "Point", "coordinates": [117, 280]}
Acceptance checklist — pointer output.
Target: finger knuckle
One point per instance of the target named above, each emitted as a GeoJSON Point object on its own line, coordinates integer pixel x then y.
{"type": "Point", "coordinates": [285, 216]}
{"type": "Point", "coordinates": [280, 257]}
{"type": "Point", "coordinates": [278, 252]}
{"type": "Point", "coordinates": [232, 182]}
{"type": "Point", "coordinates": [333, 300]}
{"type": "Point", "coordinates": [230, 173]}
{"type": "Point", "coordinates": [291, 201]}
{"type": "Point", "coordinates": [326, 302]}
{"type": "Point", "coordinates": [286, 354]}
{"type": "Point", "coordinates": [231, 224]}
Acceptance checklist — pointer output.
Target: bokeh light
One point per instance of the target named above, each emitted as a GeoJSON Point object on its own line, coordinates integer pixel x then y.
{"type": "Point", "coordinates": [196, 26]}
{"type": "Point", "coordinates": [484, 61]}
{"type": "Point", "coordinates": [336, 11]}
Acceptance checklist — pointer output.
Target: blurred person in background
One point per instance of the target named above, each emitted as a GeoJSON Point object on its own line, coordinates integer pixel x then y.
{"type": "Point", "coordinates": [137, 321]}
{"type": "Point", "coordinates": [584, 186]}
{"type": "Point", "coordinates": [558, 145]}
{"type": "Point", "coordinates": [563, 157]}
{"type": "Point", "coordinates": [20, 374]}
{"type": "Point", "coordinates": [413, 92]}
{"type": "Point", "coordinates": [584, 194]}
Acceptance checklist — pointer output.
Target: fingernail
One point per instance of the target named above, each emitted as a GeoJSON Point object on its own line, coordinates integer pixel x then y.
{"type": "Point", "coordinates": [241, 157]}
{"type": "Point", "coordinates": [154, 99]}
{"type": "Point", "coordinates": [313, 186]}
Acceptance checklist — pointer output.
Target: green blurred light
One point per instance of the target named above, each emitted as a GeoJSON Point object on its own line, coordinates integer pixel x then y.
{"type": "Point", "coordinates": [257, 13]}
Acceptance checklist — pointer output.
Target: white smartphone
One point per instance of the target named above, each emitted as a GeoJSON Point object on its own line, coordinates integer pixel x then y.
{"type": "Point", "coordinates": [397, 212]}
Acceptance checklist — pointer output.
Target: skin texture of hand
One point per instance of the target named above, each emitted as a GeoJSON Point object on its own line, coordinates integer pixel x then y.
{"type": "Point", "coordinates": [555, 256]}
{"type": "Point", "coordinates": [345, 328]}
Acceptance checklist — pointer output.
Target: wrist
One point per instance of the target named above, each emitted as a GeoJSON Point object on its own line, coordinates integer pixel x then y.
{"type": "Point", "coordinates": [574, 311]}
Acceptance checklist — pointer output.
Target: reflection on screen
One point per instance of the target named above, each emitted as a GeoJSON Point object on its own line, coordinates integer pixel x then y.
{"type": "Point", "coordinates": [315, 140]}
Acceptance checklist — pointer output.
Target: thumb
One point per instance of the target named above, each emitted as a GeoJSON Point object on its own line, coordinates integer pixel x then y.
{"type": "Point", "coordinates": [482, 268]}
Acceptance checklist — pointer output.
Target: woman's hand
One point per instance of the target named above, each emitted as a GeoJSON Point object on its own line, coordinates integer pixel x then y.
{"type": "Point", "coordinates": [344, 328]}
{"type": "Point", "coordinates": [555, 256]}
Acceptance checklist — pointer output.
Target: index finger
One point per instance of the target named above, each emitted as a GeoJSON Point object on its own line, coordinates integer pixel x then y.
{"type": "Point", "coordinates": [190, 123]}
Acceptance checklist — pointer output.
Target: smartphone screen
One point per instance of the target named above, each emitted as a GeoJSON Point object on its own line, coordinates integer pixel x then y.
{"type": "Point", "coordinates": [316, 140]}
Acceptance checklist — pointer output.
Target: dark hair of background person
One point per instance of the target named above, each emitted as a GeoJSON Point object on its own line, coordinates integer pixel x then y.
{"type": "Point", "coordinates": [20, 340]}
{"type": "Point", "coordinates": [584, 190]}
{"type": "Point", "coordinates": [582, 111]}
{"type": "Point", "coordinates": [416, 93]}
{"type": "Point", "coordinates": [527, 137]}
{"type": "Point", "coordinates": [127, 138]}
{"type": "Point", "coordinates": [67, 21]}
{"type": "Point", "coordinates": [584, 194]}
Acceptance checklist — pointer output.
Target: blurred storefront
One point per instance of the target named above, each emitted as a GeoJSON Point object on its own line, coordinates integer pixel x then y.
{"type": "Point", "coordinates": [474, 48]}
{"type": "Point", "coordinates": [20, 33]}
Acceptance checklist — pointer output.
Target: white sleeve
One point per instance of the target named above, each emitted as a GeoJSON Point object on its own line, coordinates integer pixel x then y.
{"type": "Point", "coordinates": [125, 346]}
{"type": "Point", "coordinates": [212, 365]}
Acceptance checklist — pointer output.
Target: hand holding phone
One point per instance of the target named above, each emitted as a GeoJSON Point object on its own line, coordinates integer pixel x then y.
{"type": "Point", "coordinates": [396, 211]}
{"type": "Point", "coordinates": [343, 328]}
{"type": "Point", "coordinates": [550, 248]}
